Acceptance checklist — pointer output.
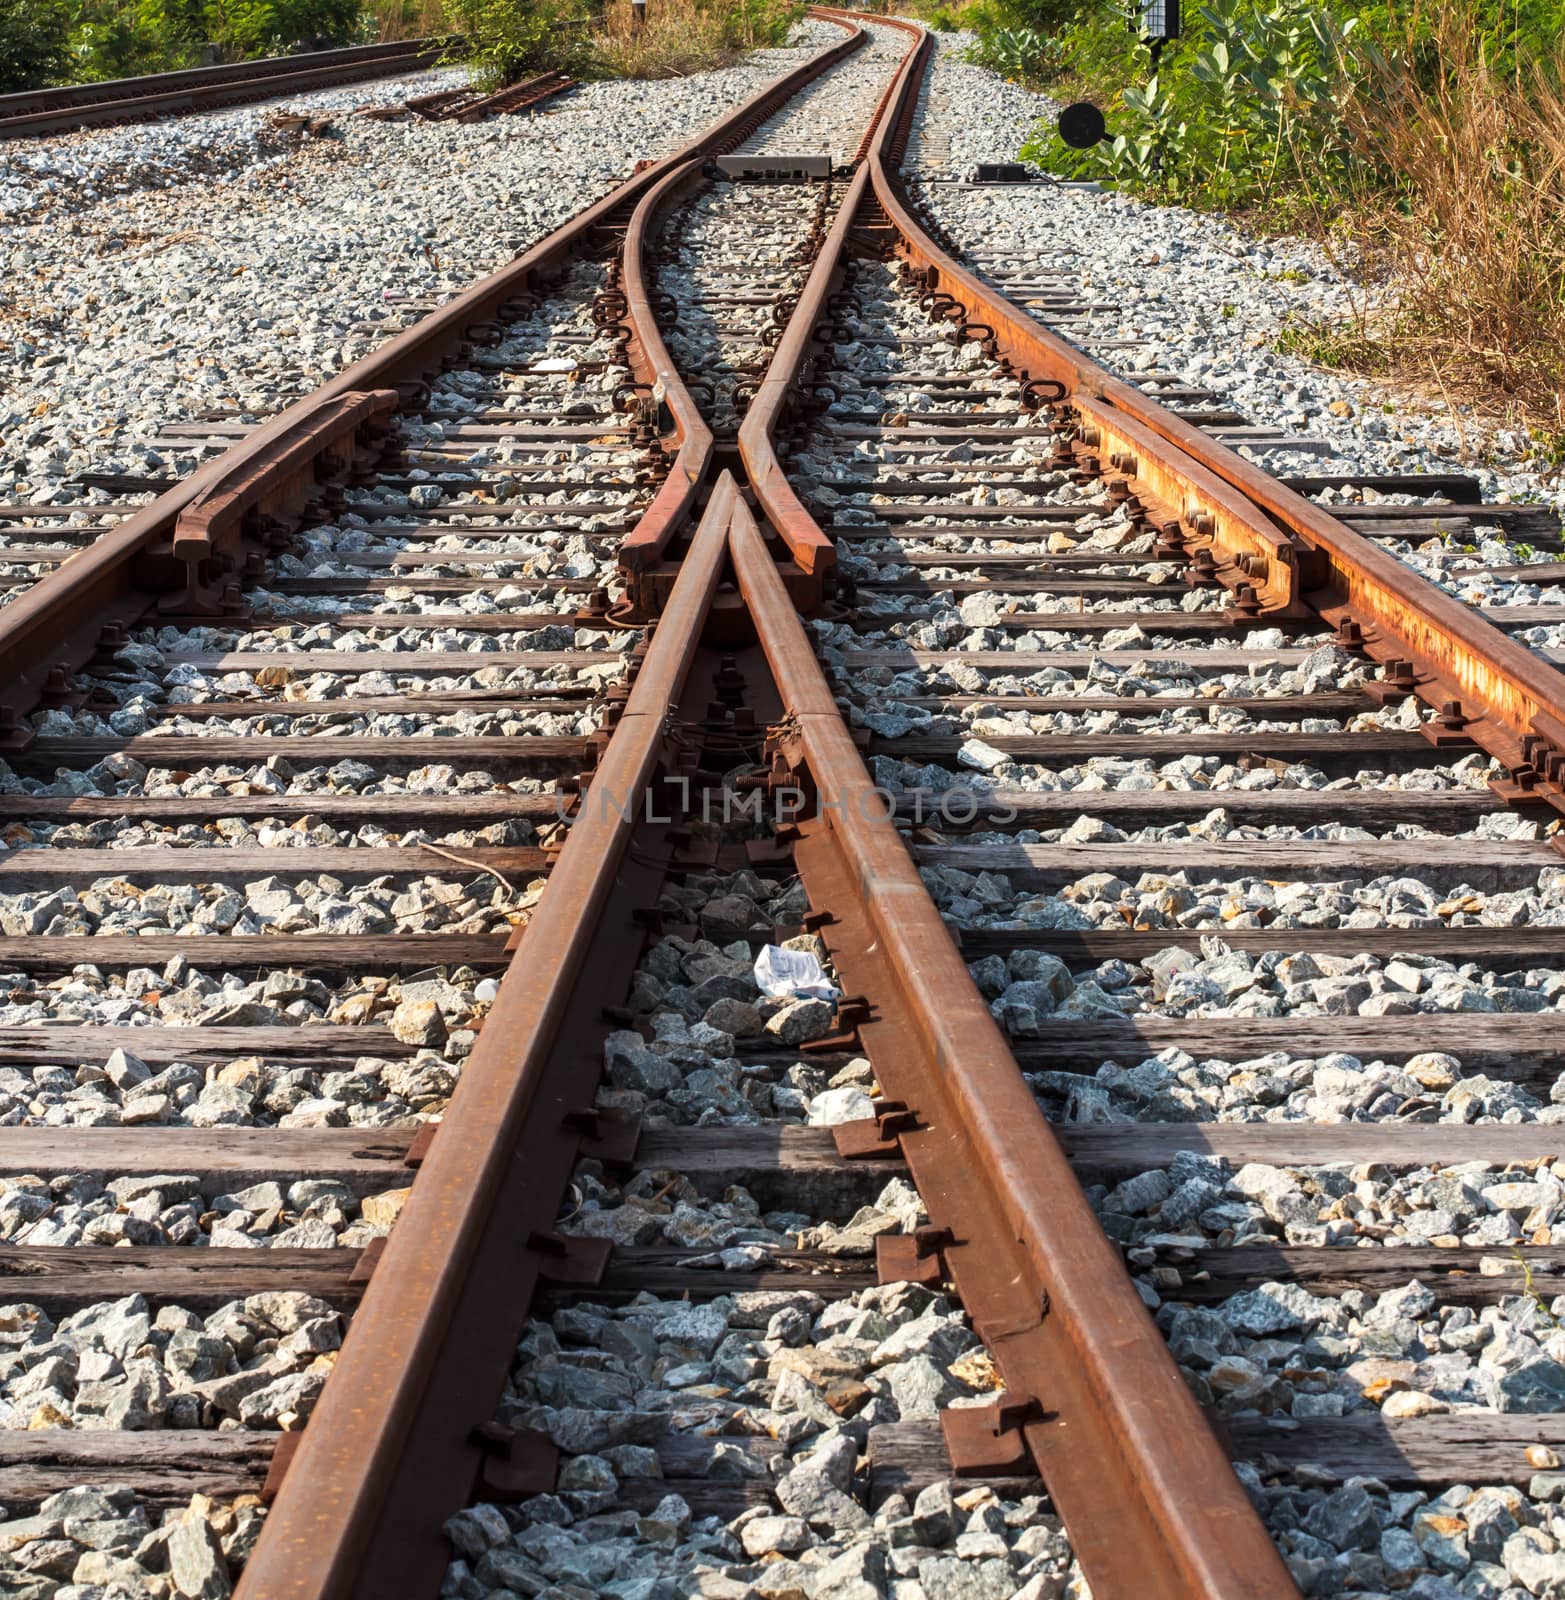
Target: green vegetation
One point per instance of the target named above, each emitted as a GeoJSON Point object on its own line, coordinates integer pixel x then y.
{"type": "Point", "coordinates": [65, 41]}
{"type": "Point", "coordinates": [79, 41]}
{"type": "Point", "coordinates": [1423, 142]}
{"type": "Point", "coordinates": [1241, 112]}
{"type": "Point", "coordinates": [509, 38]}
{"type": "Point", "coordinates": [35, 43]}
{"type": "Point", "coordinates": [1333, 344]}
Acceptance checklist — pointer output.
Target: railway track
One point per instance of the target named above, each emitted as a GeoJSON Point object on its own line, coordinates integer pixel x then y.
{"type": "Point", "coordinates": [1169, 863]}
{"type": "Point", "coordinates": [35, 112]}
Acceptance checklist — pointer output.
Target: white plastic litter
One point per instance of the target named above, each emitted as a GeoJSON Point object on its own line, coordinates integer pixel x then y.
{"type": "Point", "coordinates": [795, 973]}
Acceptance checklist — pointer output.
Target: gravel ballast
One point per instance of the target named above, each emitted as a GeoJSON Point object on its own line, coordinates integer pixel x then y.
{"type": "Point", "coordinates": [1205, 298]}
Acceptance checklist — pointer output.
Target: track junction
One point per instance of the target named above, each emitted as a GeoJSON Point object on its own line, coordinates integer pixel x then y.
{"type": "Point", "coordinates": [766, 568]}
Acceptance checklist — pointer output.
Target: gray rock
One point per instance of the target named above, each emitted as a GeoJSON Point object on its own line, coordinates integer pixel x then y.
{"type": "Point", "coordinates": [801, 1020]}
{"type": "Point", "coordinates": [807, 1492]}
{"type": "Point", "coordinates": [476, 1530]}
{"type": "Point", "coordinates": [951, 1578]}
{"type": "Point", "coordinates": [195, 1560]}
{"type": "Point", "coordinates": [1259, 1312]}
{"type": "Point", "coordinates": [859, 1573]}
{"type": "Point", "coordinates": [631, 1065]}
{"type": "Point", "coordinates": [1346, 1519]}
{"type": "Point", "coordinates": [1537, 1385]}
{"type": "Point", "coordinates": [934, 1514]}
{"type": "Point", "coordinates": [769, 1535]}
{"type": "Point", "coordinates": [919, 1387]}
{"type": "Point", "coordinates": [1531, 1561]}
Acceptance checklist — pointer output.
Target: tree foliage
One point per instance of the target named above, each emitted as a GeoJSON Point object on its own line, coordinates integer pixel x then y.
{"type": "Point", "coordinates": [34, 43]}
{"type": "Point", "coordinates": [55, 41]}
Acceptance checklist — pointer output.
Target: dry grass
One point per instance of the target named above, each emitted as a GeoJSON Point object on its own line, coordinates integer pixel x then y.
{"type": "Point", "coordinates": [679, 37]}
{"type": "Point", "coordinates": [405, 19]}
{"type": "Point", "coordinates": [1462, 204]}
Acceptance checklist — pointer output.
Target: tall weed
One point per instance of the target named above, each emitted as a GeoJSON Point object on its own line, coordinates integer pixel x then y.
{"type": "Point", "coordinates": [1457, 196]}
{"type": "Point", "coordinates": [684, 36]}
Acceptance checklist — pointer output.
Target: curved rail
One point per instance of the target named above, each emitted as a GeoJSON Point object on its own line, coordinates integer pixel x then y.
{"type": "Point", "coordinates": [61, 620]}
{"type": "Point", "coordinates": [654, 367]}
{"type": "Point", "coordinates": [396, 1443]}
{"type": "Point", "coordinates": [1270, 544]}
{"type": "Point", "coordinates": [81, 105]}
{"type": "Point", "coordinates": [390, 1450]}
{"type": "Point", "coordinates": [1148, 1496]}
{"type": "Point", "coordinates": [813, 553]}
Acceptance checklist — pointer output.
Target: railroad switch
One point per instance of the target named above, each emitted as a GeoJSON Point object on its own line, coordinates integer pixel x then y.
{"type": "Point", "coordinates": [987, 1441]}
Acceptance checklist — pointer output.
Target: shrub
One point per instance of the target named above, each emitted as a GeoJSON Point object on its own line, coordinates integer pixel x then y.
{"type": "Point", "coordinates": [242, 28]}
{"type": "Point", "coordinates": [509, 39]}
{"type": "Point", "coordinates": [385, 20]}
{"type": "Point", "coordinates": [1243, 110]}
{"type": "Point", "coordinates": [34, 43]}
{"type": "Point", "coordinates": [505, 40]}
{"type": "Point", "coordinates": [1025, 55]}
{"type": "Point", "coordinates": [123, 41]}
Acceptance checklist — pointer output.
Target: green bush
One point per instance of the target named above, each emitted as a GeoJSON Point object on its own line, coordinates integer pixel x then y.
{"type": "Point", "coordinates": [88, 40]}
{"type": "Point", "coordinates": [1242, 109]}
{"type": "Point", "coordinates": [34, 43]}
{"type": "Point", "coordinates": [507, 39]}
{"type": "Point", "coordinates": [265, 27]}
{"type": "Point", "coordinates": [1025, 55]}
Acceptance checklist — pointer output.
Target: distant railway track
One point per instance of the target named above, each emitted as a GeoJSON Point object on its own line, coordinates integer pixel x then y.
{"type": "Point", "coordinates": [169, 94]}
{"type": "Point", "coordinates": [742, 523]}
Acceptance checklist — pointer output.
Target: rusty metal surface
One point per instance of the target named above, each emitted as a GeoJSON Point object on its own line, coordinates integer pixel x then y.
{"type": "Point", "coordinates": [1148, 1497]}
{"type": "Point", "coordinates": [1290, 551]}
{"type": "Point", "coordinates": [812, 551]}
{"type": "Point", "coordinates": [653, 367]}
{"type": "Point", "coordinates": [58, 623]}
{"type": "Point", "coordinates": [518, 97]}
{"type": "Point", "coordinates": [43, 111]}
{"type": "Point", "coordinates": [390, 1450]}
{"type": "Point", "coordinates": [284, 475]}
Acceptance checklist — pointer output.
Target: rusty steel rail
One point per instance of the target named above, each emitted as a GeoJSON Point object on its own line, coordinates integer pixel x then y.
{"type": "Point", "coordinates": [1149, 1499]}
{"type": "Point", "coordinates": [43, 111]}
{"type": "Point", "coordinates": [393, 1446]}
{"type": "Point", "coordinates": [83, 606]}
{"type": "Point", "coordinates": [1278, 551]}
{"type": "Point", "coordinates": [468, 105]}
{"type": "Point", "coordinates": [1094, 1398]}
{"type": "Point", "coordinates": [813, 552]}
{"type": "Point", "coordinates": [689, 435]}
{"type": "Point", "coordinates": [787, 374]}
